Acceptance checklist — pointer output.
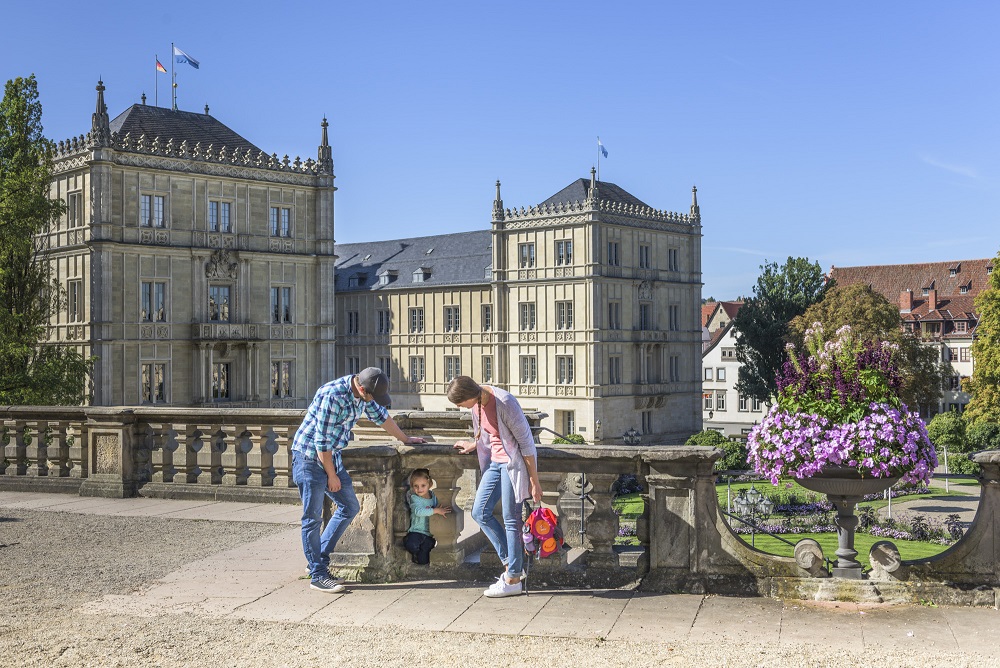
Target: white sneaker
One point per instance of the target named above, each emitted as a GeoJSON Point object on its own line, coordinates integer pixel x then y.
{"type": "Point", "coordinates": [501, 588]}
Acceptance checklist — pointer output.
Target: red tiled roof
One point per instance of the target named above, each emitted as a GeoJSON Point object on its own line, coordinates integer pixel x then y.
{"type": "Point", "coordinates": [731, 308]}
{"type": "Point", "coordinates": [717, 336]}
{"type": "Point", "coordinates": [892, 279]}
{"type": "Point", "coordinates": [706, 312]}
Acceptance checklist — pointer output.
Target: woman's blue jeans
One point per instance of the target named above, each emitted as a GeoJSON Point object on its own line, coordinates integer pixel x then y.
{"type": "Point", "coordinates": [495, 486]}
{"type": "Point", "coordinates": [317, 543]}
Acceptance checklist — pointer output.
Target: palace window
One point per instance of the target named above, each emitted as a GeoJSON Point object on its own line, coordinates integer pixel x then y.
{"type": "Point", "coordinates": [525, 255]}
{"type": "Point", "coordinates": [564, 252]}
{"type": "Point", "coordinates": [151, 209]}
{"type": "Point", "coordinates": [675, 368]}
{"type": "Point", "coordinates": [672, 259]}
{"type": "Point", "coordinates": [614, 258]}
{"type": "Point", "coordinates": [645, 256]}
{"type": "Point", "coordinates": [353, 322]}
{"type": "Point", "coordinates": [487, 369]}
{"type": "Point", "coordinates": [281, 379]}
{"type": "Point", "coordinates": [527, 316]}
{"type": "Point", "coordinates": [281, 221]}
{"type": "Point", "coordinates": [384, 322]}
{"type": "Point", "coordinates": [153, 382]}
{"type": "Point", "coordinates": [74, 304]}
{"type": "Point", "coordinates": [416, 320]}
{"type": "Point", "coordinates": [564, 315]}
{"type": "Point", "coordinates": [647, 422]}
{"type": "Point", "coordinates": [645, 317]}
{"type": "Point", "coordinates": [74, 209]}
{"type": "Point", "coordinates": [720, 373]}
{"type": "Point", "coordinates": [564, 369]}
{"type": "Point", "coordinates": [674, 317]}
{"type": "Point", "coordinates": [452, 320]}
{"type": "Point", "coordinates": [614, 315]}
{"type": "Point", "coordinates": [615, 370]}
{"type": "Point", "coordinates": [218, 216]}
{"type": "Point", "coordinates": [529, 369]}
{"type": "Point", "coordinates": [452, 366]}
{"type": "Point", "coordinates": [385, 365]}
{"type": "Point", "coordinates": [416, 368]}
{"type": "Point", "coordinates": [220, 381]}
{"type": "Point", "coordinates": [218, 303]}
{"type": "Point", "coordinates": [353, 364]}
{"type": "Point", "coordinates": [487, 317]}
{"type": "Point", "coordinates": [281, 304]}
{"type": "Point", "coordinates": [154, 302]}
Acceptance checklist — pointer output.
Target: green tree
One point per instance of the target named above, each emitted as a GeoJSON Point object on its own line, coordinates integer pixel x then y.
{"type": "Point", "coordinates": [982, 436]}
{"type": "Point", "coordinates": [948, 430]}
{"type": "Point", "coordinates": [872, 317]}
{"type": "Point", "coordinates": [31, 371]}
{"type": "Point", "coordinates": [985, 382]}
{"type": "Point", "coordinates": [735, 458]}
{"type": "Point", "coordinates": [781, 294]}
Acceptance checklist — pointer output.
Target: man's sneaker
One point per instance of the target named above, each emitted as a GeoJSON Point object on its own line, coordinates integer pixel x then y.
{"type": "Point", "coordinates": [339, 581]}
{"type": "Point", "coordinates": [329, 585]}
{"type": "Point", "coordinates": [501, 588]}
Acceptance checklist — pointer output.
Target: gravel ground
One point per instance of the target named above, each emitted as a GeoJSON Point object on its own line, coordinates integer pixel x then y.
{"type": "Point", "coordinates": [50, 563]}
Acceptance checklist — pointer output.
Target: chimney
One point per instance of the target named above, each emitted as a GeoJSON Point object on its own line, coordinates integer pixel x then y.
{"type": "Point", "coordinates": [906, 301]}
{"type": "Point", "coordinates": [932, 299]}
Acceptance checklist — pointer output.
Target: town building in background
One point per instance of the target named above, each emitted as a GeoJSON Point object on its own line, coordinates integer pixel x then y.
{"type": "Point", "coordinates": [937, 303]}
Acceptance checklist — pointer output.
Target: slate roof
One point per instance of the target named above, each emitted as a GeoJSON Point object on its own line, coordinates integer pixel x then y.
{"type": "Point", "coordinates": [152, 121]}
{"type": "Point", "coordinates": [579, 189]}
{"type": "Point", "coordinates": [451, 259]}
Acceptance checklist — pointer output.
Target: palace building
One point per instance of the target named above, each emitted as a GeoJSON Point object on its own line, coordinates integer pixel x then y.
{"type": "Point", "coordinates": [200, 271]}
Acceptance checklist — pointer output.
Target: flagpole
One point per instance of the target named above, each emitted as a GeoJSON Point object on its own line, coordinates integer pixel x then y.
{"type": "Point", "coordinates": [173, 79]}
{"type": "Point", "coordinates": [156, 80]}
{"type": "Point", "coordinates": [598, 158]}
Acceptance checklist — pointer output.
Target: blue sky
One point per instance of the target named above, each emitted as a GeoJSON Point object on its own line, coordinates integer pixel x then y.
{"type": "Point", "coordinates": [850, 133]}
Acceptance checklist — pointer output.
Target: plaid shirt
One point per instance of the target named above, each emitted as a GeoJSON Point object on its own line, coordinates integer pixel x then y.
{"type": "Point", "coordinates": [332, 414]}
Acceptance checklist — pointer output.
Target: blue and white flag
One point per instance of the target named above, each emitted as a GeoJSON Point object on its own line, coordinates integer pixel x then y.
{"type": "Point", "coordinates": [181, 57]}
{"type": "Point", "coordinates": [604, 151]}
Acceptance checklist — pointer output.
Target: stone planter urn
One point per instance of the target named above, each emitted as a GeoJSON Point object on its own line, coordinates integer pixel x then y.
{"type": "Point", "coordinates": [845, 487]}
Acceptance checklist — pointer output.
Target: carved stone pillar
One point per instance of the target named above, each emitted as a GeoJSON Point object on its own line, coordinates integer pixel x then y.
{"type": "Point", "coordinates": [602, 525]}
{"type": "Point", "coordinates": [279, 450]}
{"type": "Point", "coordinates": [14, 452]}
{"type": "Point", "coordinates": [35, 453]}
{"type": "Point", "coordinates": [110, 443]}
{"type": "Point", "coordinates": [57, 450]}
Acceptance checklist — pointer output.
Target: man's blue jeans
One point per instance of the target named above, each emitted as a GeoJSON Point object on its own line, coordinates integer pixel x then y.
{"type": "Point", "coordinates": [494, 486]}
{"type": "Point", "coordinates": [318, 543]}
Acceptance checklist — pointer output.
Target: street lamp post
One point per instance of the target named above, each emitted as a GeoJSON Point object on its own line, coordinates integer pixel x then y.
{"type": "Point", "coordinates": [750, 503]}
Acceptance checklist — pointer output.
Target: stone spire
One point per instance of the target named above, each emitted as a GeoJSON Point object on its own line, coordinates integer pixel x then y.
{"type": "Point", "coordinates": [592, 196]}
{"type": "Point", "coordinates": [498, 204]}
{"type": "Point", "coordinates": [324, 154]}
{"type": "Point", "coordinates": [695, 210]}
{"type": "Point", "coordinates": [100, 124]}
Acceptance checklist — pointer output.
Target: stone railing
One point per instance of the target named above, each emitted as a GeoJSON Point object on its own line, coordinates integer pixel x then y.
{"type": "Point", "coordinates": [684, 543]}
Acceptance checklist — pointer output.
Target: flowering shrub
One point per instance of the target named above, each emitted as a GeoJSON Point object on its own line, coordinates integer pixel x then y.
{"type": "Point", "coordinates": [839, 405]}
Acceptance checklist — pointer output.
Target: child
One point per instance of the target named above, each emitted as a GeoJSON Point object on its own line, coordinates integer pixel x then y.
{"type": "Point", "coordinates": [423, 503]}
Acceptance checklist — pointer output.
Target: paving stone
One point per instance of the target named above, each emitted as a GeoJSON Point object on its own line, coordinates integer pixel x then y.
{"type": "Point", "coordinates": [515, 611]}
{"type": "Point", "coordinates": [578, 614]}
{"type": "Point", "coordinates": [428, 608]}
{"type": "Point", "coordinates": [292, 602]}
{"type": "Point", "coordinates": [909, 627]}
{"type": "Point", "coordinates": [657, 617]}
{"type": "Point", "coordinates": [742, 619]}
{"type": "Point", "coordinates": [357, 606]}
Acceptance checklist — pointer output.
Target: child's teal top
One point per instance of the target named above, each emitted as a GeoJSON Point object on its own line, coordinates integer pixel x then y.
{"type": "Point", "coordinates": [421, 510]}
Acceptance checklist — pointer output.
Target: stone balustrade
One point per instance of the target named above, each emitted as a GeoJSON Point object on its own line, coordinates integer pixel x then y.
{"type": "Point", "coordinates": [684, 543]}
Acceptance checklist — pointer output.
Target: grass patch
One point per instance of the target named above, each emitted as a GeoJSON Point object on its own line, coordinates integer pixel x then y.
{"type": "Point", "coordinates": [908, 549]}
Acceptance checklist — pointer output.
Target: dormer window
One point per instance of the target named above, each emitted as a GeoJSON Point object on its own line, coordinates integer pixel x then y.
{"type": "Point", "coordinates": [366, 257]}
{"type": "Point", "coordinates": [989, 269]}
{"type": "Point", "coordinates": [964, 289]}
{"type": "Point", "coordinates": [387, 277]}
{"type": "Point", "coordinates": [421, 274]}
{"type": "Point", "coordinates": [953, 271]}
{"type": "Point", "coordinates": [357, 280]}
{"type": "Point", "coordinates": [961, 326]}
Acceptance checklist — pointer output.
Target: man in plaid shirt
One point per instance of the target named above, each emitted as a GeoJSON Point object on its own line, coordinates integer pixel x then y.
{"type": "Point", "coordinates": [317, 468]}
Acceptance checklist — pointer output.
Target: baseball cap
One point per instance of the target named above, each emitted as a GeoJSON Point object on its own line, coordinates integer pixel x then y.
{"type": "Point", "coordinates": [376, 383]}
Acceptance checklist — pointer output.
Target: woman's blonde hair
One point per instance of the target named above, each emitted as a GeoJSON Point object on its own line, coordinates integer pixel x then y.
{"type": "Point", "coordinates": [463, 388]}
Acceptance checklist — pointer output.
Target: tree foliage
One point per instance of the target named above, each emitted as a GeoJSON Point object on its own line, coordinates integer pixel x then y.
{"type": "Point", "coordinates": [948, 430]}
{"type": "Point", "coordinates": [31, 371]}
{"type": "Point", "coordinates": [781, 294]}
{"type": "Point", "coordinates": [872, 317]}
{"type": "Point", "coordinates": [985, 382]}
{"type": "Point", "coordinates": [735, 458]}
{"type": "Point", "coordinates": [982, 436]}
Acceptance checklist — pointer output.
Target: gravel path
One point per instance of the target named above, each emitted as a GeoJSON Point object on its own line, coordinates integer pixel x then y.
{"type": "Point", "coordinates": [51, 563]}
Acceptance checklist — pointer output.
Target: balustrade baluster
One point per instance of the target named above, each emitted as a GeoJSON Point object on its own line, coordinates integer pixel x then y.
{"type": "Point", "coordinates": [79, 461]}
{"type": "Point", "coordinates": [36, 457]}
{"type": "Point", "coordinates": [57, 450]}
{"type": "Point", "coordinates": [190, 441]}
{"type": "Point", "coordinates": [14, 451]}
{"type": "Point", "coordinates": [226, 442]}
{"type": "Point", "coordinates": [281, 460]}
{"type": "Point", "coordinates": [162, 449]}
{"type": "Point", "coordinates": [259, 474]}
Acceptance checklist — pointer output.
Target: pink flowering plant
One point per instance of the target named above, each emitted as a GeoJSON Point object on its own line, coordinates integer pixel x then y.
{"type": "Point", "coordinates": [838, 404]}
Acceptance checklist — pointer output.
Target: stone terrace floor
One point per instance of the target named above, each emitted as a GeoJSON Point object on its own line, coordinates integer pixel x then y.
{"type": "Point", "coordinates": [261, 581]}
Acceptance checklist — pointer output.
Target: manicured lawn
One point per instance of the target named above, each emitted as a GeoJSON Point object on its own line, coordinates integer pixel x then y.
{"type": "Point", "coordinates": [908, 549]}
{"type": "Point", "coordinates": [628, 505]}
{"type": "Point", "coordinates": [791, 487]}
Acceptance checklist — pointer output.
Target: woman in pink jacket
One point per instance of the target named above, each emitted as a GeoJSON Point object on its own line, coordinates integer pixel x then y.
{"type": "Point", "coordinates": [506, 450]}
